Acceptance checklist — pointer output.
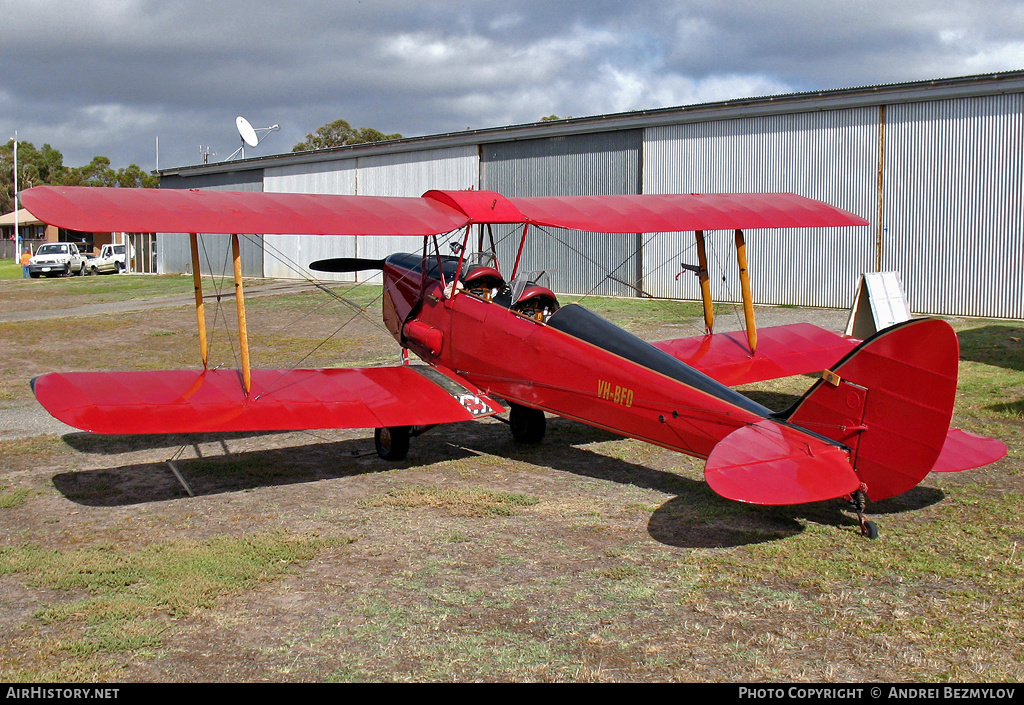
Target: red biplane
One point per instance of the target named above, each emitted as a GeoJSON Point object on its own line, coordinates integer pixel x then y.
{"type": "Point", "coordinates": [873, 427]}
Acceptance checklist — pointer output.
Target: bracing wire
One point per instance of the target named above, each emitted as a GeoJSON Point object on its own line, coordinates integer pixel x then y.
{"type": "Point", "coordinates": [219, 295]}
{"type": "Point", "coordinates": [609, 275]}
{"type": "Point", "coordinates": [357, 308]}
{"type": "Point", "coordinates": [728, 290]}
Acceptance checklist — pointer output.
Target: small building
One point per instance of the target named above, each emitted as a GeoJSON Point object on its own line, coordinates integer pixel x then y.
{"type": "Point", "coordinates": [34, 232]}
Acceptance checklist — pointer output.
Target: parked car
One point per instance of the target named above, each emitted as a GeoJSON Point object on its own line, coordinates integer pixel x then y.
{"type": "Point", "coordinates": [108, 261]}
{"type": "Point", "coordinates": [56, 259]}
{"type": "Point", "coordinates": [115, 252]}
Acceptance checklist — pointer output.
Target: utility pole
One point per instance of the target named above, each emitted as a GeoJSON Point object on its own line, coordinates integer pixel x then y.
{"type": "Point", "coordinates": [17, 234]}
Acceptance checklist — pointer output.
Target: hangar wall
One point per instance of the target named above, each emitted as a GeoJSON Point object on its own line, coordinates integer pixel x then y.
{"type": "Point", "coordinates": [952, 218]}
{"type": "Point", "coordinates": [172, 249]}
{"type": "Point", "coordinates": [400, 174]}
{"type": "Point", "coordinates": [935, 167]}
{"type": "Point", "coordinates": [828, 155]}
{"type": "Point", "coordinates": [578, 165]}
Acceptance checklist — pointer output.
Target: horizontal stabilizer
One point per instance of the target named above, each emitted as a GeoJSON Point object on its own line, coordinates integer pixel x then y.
{"type": "Point", "coordinates": [213, 401]}
{"type": "Point", "coordinates": [772, 463]}
{"type": "Point", "coordinates": [782, 351]}
{"type": "Point", "coordinates": [964, 451]}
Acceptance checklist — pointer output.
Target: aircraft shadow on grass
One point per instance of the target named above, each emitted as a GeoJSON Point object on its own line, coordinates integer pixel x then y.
{"type": "Point", "coordinates": [999, 346]}
{"type": "Point", "coordinates": [695, 517]}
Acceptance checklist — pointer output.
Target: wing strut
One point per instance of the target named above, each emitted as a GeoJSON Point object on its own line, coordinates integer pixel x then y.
{"type": "Point", "coordinates": [243, 335]}
{"type": "Point", "coordinates": [748, 299]}
{"type": "Point", "coordinates": [197, 282]}
{"type": "Point", "coordinates": [705, 284]}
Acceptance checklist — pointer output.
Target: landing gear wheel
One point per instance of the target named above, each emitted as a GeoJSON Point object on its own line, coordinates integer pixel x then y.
{"type": "Point", "coordinates": [392, 443]}
{"type": "Point", "coordinates": [869, 530]}
{"type": "Point", "coordinates": [528, 425]}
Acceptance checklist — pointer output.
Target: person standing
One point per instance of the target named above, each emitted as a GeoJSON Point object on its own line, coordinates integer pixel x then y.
{"type": "Point", "coordinates": [26, 258]}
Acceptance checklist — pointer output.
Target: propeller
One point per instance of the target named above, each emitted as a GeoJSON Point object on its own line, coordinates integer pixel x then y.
{"type": "Point", "coordinates": [346, 264]}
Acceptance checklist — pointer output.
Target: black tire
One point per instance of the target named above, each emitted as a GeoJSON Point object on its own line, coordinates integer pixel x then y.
{"type": "Point", "coordinates": [81, 271]}
{"type": "Point", "coordinates": [392, 443]}
{"type": "Point", "coordinates": [34, 275]}
{"type": "Point", "coordinates": [528, 425]}
{"type": "Point", "coordinates": [869, 530]}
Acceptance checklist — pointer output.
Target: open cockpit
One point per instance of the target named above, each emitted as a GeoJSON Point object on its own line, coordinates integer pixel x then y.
{"type": "Point", "coordinates": [526, 294]}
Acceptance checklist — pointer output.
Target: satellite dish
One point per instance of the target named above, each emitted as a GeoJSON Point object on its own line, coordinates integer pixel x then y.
{"type": "Point", "coordinates": [249, 135]}
{"type": "Point", "coordinates": [246, 131]}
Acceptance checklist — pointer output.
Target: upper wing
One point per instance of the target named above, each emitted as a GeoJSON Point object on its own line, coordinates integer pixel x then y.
{"type": "Point", "coordinates": [656, 213]}
{"type": "Point", "coordinates": [189, 401]}
{"type": "Point", "coordinates": [650, 213]}
{"type": "Point", "coordinates": [191, 211]}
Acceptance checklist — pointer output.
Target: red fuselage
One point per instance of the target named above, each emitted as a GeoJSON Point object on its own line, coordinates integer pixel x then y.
{"type": "Point", "coordinates": [573, 364]}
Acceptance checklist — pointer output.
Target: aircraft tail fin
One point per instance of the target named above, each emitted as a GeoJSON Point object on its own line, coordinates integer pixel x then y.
{"type": "Point", "coordinates": [890, 401]}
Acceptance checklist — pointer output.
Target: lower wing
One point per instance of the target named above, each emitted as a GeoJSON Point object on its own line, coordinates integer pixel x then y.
{"type": "Point", "coordinates": [187, 401]}
{"type": "Point", "coordinates": [782, 351]}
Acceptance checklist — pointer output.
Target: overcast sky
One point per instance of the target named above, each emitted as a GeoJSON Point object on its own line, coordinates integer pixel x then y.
{"type": "Point", "coordinates": [110, 76]}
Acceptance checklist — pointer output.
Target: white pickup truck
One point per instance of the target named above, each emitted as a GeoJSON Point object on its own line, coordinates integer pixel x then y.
{"type": "Point", "coordinates": [109, 261]}
{"type": "Point", "coordinates": [56, 259]}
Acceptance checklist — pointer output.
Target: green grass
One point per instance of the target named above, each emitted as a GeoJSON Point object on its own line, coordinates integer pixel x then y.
{"type": "Point", "coordinates": [9, 499]}
{"type": "Point", "coordinates": [121, 599]}
{"type": "Point", "coordinates": [470, 501]}
{"type": "Point", "coordinates": [119, 287]}
{"type": "Point", "coordinates": [633, 314]}
{"type": "Point", "coordinates": [10, 269]}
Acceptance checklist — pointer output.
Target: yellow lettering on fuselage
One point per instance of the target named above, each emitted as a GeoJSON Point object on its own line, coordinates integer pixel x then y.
{"type": "Point", "coordinates": [614, 393]}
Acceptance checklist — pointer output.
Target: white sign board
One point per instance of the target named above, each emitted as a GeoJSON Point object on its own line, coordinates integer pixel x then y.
{"type": "Point", "coordinates": [879, 304]}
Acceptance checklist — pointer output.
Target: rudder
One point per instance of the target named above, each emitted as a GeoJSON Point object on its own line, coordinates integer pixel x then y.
{"type": "Point", "coordinates": [890, 400]}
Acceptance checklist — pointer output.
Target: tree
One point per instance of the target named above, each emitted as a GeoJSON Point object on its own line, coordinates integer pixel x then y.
{"type": "Point", "coordinates": [46, 166]}
{"type": "Point", "coordinates": [35, 167]}
{"type": "Point", "coordinates": [338, 134]}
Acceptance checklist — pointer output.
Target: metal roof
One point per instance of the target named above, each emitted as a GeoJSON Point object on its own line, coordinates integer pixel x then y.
{"type": "Point", "coordinates": [916, 91]}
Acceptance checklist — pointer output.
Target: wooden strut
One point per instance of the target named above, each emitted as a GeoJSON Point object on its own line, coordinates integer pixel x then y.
{"type": "Point", "coordinates": [705, 284]}
{"type": "Point", "coordinates": [197, 282]}
{"type": "Point", "coordinates": [748, 299]}
{"type": "Point", "coordinates": [243, 336]}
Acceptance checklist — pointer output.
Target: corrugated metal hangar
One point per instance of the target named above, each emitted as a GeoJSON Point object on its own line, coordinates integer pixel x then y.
{"type": "Point", "coordinates": [935, 166]}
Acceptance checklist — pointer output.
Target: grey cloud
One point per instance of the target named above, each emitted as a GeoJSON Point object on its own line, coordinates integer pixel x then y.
{"type": "Point", "coordinates": [108, 76]}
